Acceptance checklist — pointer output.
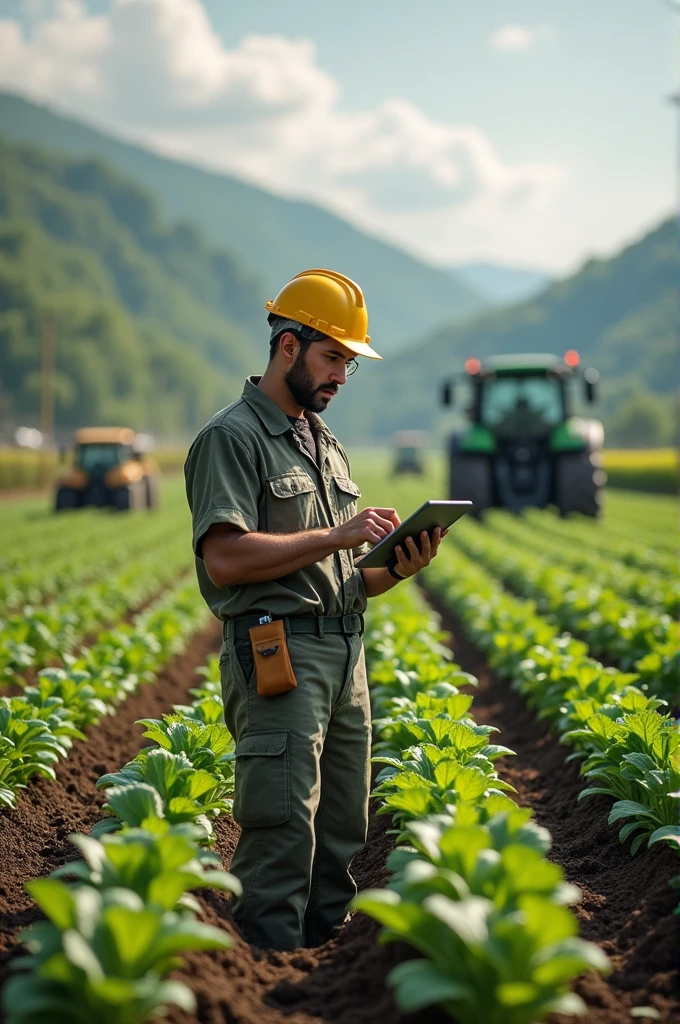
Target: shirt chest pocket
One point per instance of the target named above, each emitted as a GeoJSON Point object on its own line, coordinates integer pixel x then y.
{"type": "Point", "coordinates": [345, 492]}
{"type": "Point", "coordinates": [291, 503]}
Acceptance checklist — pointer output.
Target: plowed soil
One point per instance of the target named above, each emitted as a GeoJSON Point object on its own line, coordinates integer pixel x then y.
{"type": "Point", "coordinates": [627, 905]}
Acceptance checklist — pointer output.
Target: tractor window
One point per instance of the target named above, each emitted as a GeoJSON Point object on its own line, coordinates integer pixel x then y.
{"type": "Point", "coordinates": [522, 405]}
{"type": "Point", "coordinates": [101, 457]}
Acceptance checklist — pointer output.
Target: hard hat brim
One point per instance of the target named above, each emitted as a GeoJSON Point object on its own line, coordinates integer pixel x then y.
{"type": "Point", "coordinates": [358, 348]}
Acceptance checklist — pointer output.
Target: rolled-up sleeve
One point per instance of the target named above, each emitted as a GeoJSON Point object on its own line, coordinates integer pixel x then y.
{"type": "Point", "coordinates": [222, 484]}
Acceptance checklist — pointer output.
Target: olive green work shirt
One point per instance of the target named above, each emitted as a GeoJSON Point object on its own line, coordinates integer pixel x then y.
{"type": "Point", "coordinates": [248, 467]}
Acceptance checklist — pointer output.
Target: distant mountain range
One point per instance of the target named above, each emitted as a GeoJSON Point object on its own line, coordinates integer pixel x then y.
{"type": "Point", "coordinates": [272, 238]}
{"type": "Point", "coordinates": [499, 284]}
{"type": "Point", "coordinates": [156, 274]}
{"type": "Point", "coordinates": [621, 314]}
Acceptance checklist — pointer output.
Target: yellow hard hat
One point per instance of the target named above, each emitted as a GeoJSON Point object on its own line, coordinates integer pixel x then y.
{"type": "Point", "coordinates": [330, 303]}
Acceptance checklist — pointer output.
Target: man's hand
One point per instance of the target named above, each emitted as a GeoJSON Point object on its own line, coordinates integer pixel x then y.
{"type": "Point", "coordinates": [371, 524]}
{"type": "Point", "coordinates": [411, 563]}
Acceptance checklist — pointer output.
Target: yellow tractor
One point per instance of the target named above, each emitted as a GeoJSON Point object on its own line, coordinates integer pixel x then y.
{"type": "Point", "coordinates": [109, 469]}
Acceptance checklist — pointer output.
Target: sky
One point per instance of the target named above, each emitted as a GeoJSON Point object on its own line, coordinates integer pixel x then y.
{"type": "Point", "coordinates": [527, 132]}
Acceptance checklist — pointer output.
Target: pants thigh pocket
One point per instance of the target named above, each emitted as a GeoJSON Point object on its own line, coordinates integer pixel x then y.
{"type": "Point", "coordinates": [262, 783]}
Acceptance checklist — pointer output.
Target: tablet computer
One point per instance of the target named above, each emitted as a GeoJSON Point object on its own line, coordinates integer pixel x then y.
{"type": "Point", "coordinates": [427, 517]}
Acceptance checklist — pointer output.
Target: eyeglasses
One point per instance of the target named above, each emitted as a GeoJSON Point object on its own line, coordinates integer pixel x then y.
{"type": "Point", "coordinates": [351, 367]}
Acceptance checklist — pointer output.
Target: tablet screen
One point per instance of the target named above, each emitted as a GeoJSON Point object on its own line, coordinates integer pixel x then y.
{"type": "Point", "coordinates": [427, 517]}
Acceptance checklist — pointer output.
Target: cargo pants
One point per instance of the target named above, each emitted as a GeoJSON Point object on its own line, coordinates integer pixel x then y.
{"type": "Point", "coordinates": [301, 788]}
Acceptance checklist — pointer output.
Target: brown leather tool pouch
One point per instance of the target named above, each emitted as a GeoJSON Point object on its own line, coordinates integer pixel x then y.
{"type": "Point", "coordinates": [273, 670]}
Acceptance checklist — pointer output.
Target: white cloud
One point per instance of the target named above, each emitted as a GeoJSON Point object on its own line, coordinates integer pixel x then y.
{"type": "Point", "coordinates": [516, 38]}
{"type": "Point", "coordinates": [267, 111]}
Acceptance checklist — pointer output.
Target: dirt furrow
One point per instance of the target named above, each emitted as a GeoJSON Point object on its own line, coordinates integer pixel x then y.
{"type": "Point", "coordinates": [627, 905]}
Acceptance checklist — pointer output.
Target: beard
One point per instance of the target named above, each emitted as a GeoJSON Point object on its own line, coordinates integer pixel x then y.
{"type": "Point", "coordinates": [304, 388]}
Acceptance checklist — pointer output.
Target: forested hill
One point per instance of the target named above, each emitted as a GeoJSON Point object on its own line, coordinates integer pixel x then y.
{"type": "Point", "coordinates": [620, 313]}
{"type": "Point", "coordinates": [155, 327]}
{"type": "Point", "coordinates": [274, 237]}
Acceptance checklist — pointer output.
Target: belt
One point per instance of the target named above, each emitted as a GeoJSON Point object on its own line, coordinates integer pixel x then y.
{"type": "Point", "coordinates": [237, 629]}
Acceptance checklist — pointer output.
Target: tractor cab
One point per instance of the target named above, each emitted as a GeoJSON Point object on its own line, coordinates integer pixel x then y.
{"type": "Point", "coordinates": [109, 468]}
{"type": "Point", "coordinates": [524, 447]}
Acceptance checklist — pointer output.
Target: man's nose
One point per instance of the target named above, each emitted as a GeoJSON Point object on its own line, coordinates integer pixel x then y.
{"type": "Point", "coordinates": [339, 375]}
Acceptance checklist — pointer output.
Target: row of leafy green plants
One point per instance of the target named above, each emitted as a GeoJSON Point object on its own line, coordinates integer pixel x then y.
{"type": "Point", "coordinates": [621, 731]}
{"type": "Point", "coordinates": [94, 550]}
{"type": "Point", "coordinates": [38, 635]}
{"type": "Point", "coordinates": [615, 628]}
{"type": "Point", "coordinates": [471, 888]}
{"type": "Point", "coordinates": [118, 919]}
{"type": "Point", "coordinates": [620, 541]}
{"type": "Point", "coordinates": [38, 728]}
{"type": "Point", "coordinates": [657, 590]}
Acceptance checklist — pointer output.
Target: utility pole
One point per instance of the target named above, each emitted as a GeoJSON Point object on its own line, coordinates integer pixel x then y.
{"type": "Point", "coordinates": [47, 396]}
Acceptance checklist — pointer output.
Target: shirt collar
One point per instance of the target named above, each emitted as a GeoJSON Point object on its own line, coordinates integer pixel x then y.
{"type": "Point", "coordinates": [274, 418]}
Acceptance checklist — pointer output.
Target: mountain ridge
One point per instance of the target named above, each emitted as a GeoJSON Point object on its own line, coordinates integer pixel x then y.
{"type": "Point", "coordinates": [501, 284]}
{"type": "Point", "coordinates": [276, 237]}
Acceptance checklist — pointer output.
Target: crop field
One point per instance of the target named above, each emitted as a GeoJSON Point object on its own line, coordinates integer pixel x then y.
{"type": "Point", "coordinates": [524, 833]}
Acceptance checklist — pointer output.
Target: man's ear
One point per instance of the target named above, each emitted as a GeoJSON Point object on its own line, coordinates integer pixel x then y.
{"type": "Point", "coordinates": [288, 345]}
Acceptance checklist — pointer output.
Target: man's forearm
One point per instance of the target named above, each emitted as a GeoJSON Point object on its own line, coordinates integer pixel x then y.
{"type": "Point", "coordinates": [258, 557]}
{"type": "Point", "coordinates": [377, 581]}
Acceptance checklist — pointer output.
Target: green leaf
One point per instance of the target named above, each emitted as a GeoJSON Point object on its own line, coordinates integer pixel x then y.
{"type": "Point", "coordinates": [567, 1003]}
{"type": "Point", "coordinates": [132, 804]}
{"type": "Point", "coordinates": [468, 919]}
{"type": "Point", "coordinates": [517, 993]}
{"type": "Point", "coordinates": [669, 833]}
{"type": "Point", "coordinates": [625, 808]}
{"type": "Point", "coordinates": [55, 900]}
{"type": "Point", "coordinates": [470, 784]}
{"type": "Point", "coordinates": [557, 965]}
{"type": "Point", "coordinates": [419, 983]}
{"type": "Point", "coordinates": [133, 932]}
{"type": "Point", "coordinates": [81, 955]}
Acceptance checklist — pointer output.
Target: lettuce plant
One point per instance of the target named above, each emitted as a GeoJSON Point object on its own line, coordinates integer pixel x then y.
{"type": "Point", "coordinates": [101, 956]}
{"type": "Point", "coordinates": [164, 785]}
{"type": "Point", "coordinates": [207, 746]}
{"type": "Point", "coordinates": [484, 965]}
{"type": "Point", "coordinates": [28, 746]}
{"type": "Point", "coordinates": [161, 863]}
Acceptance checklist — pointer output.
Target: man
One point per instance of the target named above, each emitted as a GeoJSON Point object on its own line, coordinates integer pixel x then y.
{"type": "Point", "coordinates": [276, 533]}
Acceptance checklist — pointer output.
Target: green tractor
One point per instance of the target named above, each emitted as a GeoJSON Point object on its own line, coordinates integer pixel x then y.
{"type": "Point", "coordinates": [523, 446]}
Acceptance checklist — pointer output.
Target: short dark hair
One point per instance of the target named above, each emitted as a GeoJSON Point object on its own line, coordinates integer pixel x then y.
{"type": "Point", "coordinates": [280, 325]}
{"type": "Point", "coordinates": [274, 343]}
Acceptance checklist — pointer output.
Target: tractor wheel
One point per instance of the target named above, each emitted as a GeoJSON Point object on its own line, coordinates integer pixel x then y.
{"type": "Point", "coordinates": [66, 498]}
{"type": "Point", "coordinates": [579, 482]}
{"type": "Point", "coordinates": [127, 499]}
{"type": "Point", "coordinates": [121, 499]}
{"type": "Point", "coordinates": [470, 479]}
{"type": "Point", "coordinates": [152, 495]}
